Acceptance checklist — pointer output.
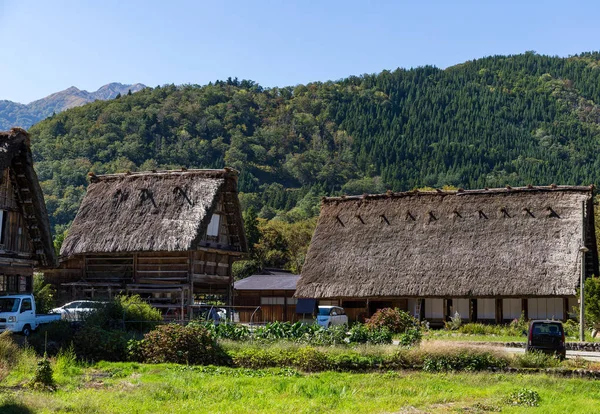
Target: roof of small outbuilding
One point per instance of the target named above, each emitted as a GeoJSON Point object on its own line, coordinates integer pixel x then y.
{"type": "Point", "coordinates": [15, 154]}
{"type": "Point", "coordinates": [152, 211]}
{"type": "Point", "coordinates": [270, 280]}
{"type": "Point", "coordinates": [491, 242]}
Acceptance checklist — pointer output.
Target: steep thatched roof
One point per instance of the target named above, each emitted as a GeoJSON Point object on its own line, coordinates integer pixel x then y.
{"type": "Point", "coordinates": [15, 154]}
{"type": "Point", "coordinates": [499, 242]}
{"type": "Point", "coordinates": [153, 211]}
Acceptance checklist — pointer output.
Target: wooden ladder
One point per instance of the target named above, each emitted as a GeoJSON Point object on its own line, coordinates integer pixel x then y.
{"type": "Point", "coordinates": [232, 227]}
{"type": "Point", "coordinates": [418, 309]}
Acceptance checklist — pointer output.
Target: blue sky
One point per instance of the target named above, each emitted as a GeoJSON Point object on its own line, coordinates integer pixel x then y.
{"type": "Point", "coordinates": [49, 45]}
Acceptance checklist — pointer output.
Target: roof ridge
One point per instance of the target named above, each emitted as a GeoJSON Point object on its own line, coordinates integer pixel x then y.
{"type": "Point", "coordinates": [462, 192]}
{"type": "Point", "coordinates": [208, 173]}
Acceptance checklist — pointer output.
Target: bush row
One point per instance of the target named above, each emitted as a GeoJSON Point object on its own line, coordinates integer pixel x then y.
{"type": "Point", "coordinates": [195, 344]}
{"type": "Point", "coordinates": [299, 332]}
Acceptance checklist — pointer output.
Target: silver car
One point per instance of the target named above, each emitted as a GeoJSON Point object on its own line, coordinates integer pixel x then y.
{"type": "Point", "coordinates": [77, 310]}
{"type": "Point", "coordinates": [331, 315]}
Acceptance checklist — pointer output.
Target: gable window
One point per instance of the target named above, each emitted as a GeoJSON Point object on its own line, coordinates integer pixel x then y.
{"type": "Point", "coordinates": [3, 219]}
{"type": "Point", "coordinates": [213, 226]}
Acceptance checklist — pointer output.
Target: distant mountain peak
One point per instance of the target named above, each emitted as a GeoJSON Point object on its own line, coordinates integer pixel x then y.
{"type": "Point", "coordinates": [15, 114]}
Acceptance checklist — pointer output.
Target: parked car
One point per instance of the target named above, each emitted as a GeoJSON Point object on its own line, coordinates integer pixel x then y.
{"type": "Point", "coordinates": [18, 314]}
{"type": "Point", "coordinates": [76, 311]}
{"type": "Point", "coordinates": [546, 336]}
{"type": "Point", "coordinates": [331, 315]}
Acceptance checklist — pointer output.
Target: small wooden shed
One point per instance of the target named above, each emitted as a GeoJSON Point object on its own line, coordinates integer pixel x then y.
{"type": "Point", "coordinates": [267, 297]}
{"type": "Point", "coordinates": [25, 238]}
{"type": "Point", "coordinates": [487, 254]}
{"type": "Point", "coordinates": [170, 236]}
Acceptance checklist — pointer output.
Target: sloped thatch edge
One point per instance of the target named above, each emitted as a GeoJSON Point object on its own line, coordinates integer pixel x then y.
{"type": "Point", "coordinates": [15, 152]}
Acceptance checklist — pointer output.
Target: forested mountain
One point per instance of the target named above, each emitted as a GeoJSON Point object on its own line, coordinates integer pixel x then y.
{"type": "Point", "coordinates": [16, 114]}
{"type": "Point", "coordinates": [489, 122]}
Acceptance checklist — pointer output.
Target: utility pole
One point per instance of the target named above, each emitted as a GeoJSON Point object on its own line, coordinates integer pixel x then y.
{"type": "Point", "coordinates": [583, 251]}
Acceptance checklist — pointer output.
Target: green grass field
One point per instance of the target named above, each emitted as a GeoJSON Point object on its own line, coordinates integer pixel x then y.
{"type": "Point", "coordinates": [167, 388]}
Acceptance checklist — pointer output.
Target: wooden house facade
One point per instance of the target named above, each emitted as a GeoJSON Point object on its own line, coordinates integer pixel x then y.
{"type": "Point", "coordinates": [487, 254]}
{"type": "Point", "coordinates": [267, 297]}
{"type": "Point", "coordinates": [25, 238]}
{"type": "Point", "coordinates": [170, 236]}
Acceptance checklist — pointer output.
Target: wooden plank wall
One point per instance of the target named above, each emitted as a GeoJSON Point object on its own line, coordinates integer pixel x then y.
{"type": "Point", "coordinates": [16, 237]}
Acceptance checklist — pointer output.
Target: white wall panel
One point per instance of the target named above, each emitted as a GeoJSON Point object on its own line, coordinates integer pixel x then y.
{"type": "Point", "coordinates": [434, 308]}
{"type": "Point", "coordinates": [511, 308]}
{"type": "Point", "coordinates": [461, 306]}
{"type": "Point", "coordinates": [486, 308]}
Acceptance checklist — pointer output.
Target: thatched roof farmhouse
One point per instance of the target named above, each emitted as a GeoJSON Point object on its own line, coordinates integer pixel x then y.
{"type": "Point", "coordinates": [25, 238]}
{"type": "Point", "coordinates": [517, 247]}
{"type": "Point", "coordinates": [160, 233]}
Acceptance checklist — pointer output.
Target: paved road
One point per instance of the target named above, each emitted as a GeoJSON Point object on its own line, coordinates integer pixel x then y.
{"type": "Point", "coordinates": [587, 355]}
{"type": "Point", "coordinates": [590, 356]}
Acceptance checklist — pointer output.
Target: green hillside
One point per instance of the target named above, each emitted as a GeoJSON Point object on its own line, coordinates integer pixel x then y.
{"type": "Point", "coordinates": [490, 122]}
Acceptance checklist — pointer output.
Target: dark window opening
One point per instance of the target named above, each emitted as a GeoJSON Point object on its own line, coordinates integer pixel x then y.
{"type": "Point", "coordinates": [3, 220]}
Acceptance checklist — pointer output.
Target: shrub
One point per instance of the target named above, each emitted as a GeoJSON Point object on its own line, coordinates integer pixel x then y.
{"type": "Point", "coordinates": [92, 343]}
{"type": "Point", "coordinates": [395, 320]}
{"type": "Point", "coordinates": [66, 365]}
{"type": "Point", "coordinates": [131, 313]}
{"type": "Point", "coordinates": [454, 323]}
{"type": "Point", "coordinates": [520, 324]}
{"type": "Point", "coordinates": [310, 359]}
{"type": "Point", "coordinates": [462, 360]}
{"type": "Point", "coordinates": [411, 337]}
{"type": "Point", "coordinates": [190, 344]}
{"type": "Point", "coordinates": [571, 328]}
{"type": "Point", "coordinates": [44, 294]}
{"type": "Point", "coordinates": [43, 378]}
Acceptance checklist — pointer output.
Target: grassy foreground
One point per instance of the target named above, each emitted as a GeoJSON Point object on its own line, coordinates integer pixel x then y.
{"type": "Point", "coordinates": [170, 388]}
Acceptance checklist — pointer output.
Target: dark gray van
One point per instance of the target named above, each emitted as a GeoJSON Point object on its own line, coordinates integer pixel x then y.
{"type": "Point", "coordinates": [547, 336]}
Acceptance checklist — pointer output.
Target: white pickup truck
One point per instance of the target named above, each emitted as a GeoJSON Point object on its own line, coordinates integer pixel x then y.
{"type": "Point", "coordinates": [17, 314]}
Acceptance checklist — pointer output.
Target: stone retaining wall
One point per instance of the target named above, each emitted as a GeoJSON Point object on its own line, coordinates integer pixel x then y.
{"type": "Point", "coordinates": [571, 346]}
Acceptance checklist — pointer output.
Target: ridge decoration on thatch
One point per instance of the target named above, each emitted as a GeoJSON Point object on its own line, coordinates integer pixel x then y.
{"type": "Point", "coordinates": [16, 158]}
{"type": "Point", "coordinates": [493, 242]}
{"type": "Point", "coordinates": [154, 211]}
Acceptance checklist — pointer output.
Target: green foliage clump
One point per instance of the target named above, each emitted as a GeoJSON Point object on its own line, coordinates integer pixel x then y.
{"type": "Point", "coordinates": [462, 360]}
{"type": "Point", "coordinates": [300, 332]}
{"type": "Point", "coordinates": [191, 344]}
{"type": "Point", "coordinates": [93, 343]}
{"type": "Point", "coordinates": [396, 320]}
{"type": "Point", "coordinates": [43, 378]}
{"type": "Point", "coordinates": [244, 268]}
{"type": "Point", "coordinates": [130, 313]}
{"type": "Point", "coordinates": [235, 332]}
{"type": "Point", "coordinates": [411, 337]}
{"type": "Point", "coordinates": [524, 397]}
{"type": "Point", "coordinates": [305, 358]}
{"type": "Point", "coordinates": [571, 328]}
{"type": "Point", "coordinates": [592, 301]}
{"type": "Point", "coordinates": [535, 359]}
{"type": "Point", "coordinates": [454, 323]}
{"type": "Point", "coordinates": [43, 293]}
